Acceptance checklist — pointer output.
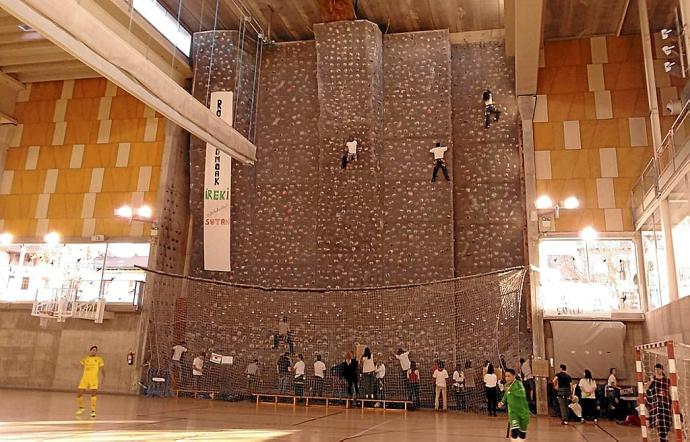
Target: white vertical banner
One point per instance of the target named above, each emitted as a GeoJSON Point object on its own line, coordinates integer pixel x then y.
{"type": "Point", "coordinates": [217, 182]}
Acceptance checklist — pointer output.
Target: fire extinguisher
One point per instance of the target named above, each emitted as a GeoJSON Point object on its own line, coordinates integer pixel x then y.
{"type": "Point", "coordinates": [130, 358]}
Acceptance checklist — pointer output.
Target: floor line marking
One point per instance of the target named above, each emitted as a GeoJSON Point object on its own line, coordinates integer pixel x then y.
{"type": "Point", "coordinates": [318, 417]}
{"type": "Point", "coordinates": [354, 436]}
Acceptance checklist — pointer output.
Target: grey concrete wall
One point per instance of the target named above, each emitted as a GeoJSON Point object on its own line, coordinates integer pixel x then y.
{"type": "Point", "coordinates": [48, 357]}
{"type": "Point", "coordinates": [668, 322]}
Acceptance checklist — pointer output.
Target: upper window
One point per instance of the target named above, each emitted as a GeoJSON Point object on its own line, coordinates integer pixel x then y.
{"type": "Point", "coordinates": [166, 24]}
{"type": "Point", "coordinates": [588, 278]}
{"type": "Point", "coordinates": [88, 271]}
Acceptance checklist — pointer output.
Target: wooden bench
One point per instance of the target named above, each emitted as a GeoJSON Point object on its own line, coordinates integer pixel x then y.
{"type": "Point", "coordinates": [327, 399]}
{"type": "Point", "coordinates": [211, 393]}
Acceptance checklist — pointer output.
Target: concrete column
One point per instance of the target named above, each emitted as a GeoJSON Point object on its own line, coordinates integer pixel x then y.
{"type": "Point", "coordinates": [526, 106]}
{"type": "Point", "coordinates": [649, 75]}
{"type": "Point", "coordinates": [666, 229]}
{"type": "Point", "coordinates": [528, 35]}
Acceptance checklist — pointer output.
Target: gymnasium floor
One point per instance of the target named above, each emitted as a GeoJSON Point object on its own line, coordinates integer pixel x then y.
{"type": "Point", "coordinates": [35, 415]}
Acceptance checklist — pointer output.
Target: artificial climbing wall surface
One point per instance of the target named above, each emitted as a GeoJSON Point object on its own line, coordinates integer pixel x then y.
{"type": "Point", "coordinates": [488, 191]}
{"type": "Point", "coordinates": [298, 218]}
{"type": "Point", "coordinates": [82, 148]}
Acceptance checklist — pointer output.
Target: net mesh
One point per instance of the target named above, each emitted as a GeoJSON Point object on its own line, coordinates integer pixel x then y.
{"type": "Point", "coordinates": [658, 395]}
{"type": "Point", "coordinates": [462, 322]}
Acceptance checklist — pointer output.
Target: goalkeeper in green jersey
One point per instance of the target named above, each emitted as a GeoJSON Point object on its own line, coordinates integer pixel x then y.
{"type": "Point", "coordinates": [515, 398]}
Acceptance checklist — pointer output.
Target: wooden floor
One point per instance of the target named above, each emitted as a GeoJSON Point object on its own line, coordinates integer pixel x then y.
{"type": "Point", "coordinates": [35, 415]}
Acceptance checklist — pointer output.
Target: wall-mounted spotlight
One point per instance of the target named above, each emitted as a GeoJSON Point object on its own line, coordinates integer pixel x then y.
{"type": "Point", "coordinates": [668, 65]}
{"type": "Point", "coordinates": [547, 211]}
{"type": "Point", "coordinates": [666, 33]}
{"type": "Point", "coordinates": [589, 234]}
{"type": "Point", "coordinates": [6, 239]}
{"type": "Point", "coordinates": [668, 50]}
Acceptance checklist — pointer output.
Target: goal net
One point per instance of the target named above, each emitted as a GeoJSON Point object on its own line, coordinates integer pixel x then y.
{"type": "Point", "coordinates": [663, 396]}
{"type": "Point", "coordinates": [461, 322]}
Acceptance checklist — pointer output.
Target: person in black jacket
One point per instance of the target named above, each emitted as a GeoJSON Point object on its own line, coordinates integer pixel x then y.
{"type": "Point", "coordinates": [350, 374]}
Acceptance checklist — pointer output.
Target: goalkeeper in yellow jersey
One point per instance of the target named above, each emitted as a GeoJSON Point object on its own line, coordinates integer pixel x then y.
{"type": "Point", "coordinates": [93, 369]}
{"type": "Point", "coordinates": [515, 399]}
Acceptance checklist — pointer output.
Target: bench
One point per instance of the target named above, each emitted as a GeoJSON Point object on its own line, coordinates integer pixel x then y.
{"type": "Point", "coordinates": [211, 393]}
{"type": "Point", "coordinates": [327, 399]}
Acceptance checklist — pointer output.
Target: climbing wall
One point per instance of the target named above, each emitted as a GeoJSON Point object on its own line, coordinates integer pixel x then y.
{"type": "Point", "coordinates": [350, 223]}
{"type": "Point", "coordinates": [418, 216]}
{"type": "Point", "coordinates": [488, 191]}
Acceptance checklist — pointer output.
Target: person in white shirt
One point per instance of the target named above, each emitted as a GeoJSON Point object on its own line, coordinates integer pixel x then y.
{"type": "Point", "coordinates": [439, 162]}
{"type": "Point", "coordinates": [612, 382]}
{"type": "Point", "coordinates": [528, 381]}
{"type": "Point", "coordinates": [319, 375]}
{"type": "Point", "coordinates": [380, 374]}
{"type": "Point", "coordinates": [404, 358]}
{"type": "Point", "coordinates": [178, 351]}
{"type": "Point", "coordinates": [299, 376]}
{"type": "Point", "coordinates": [588, 387]}
{"type": "Point", "coordinates": [491, 387]}
{"type": "Point", "coordinates": [252, 372]}
{"type": "Point", "coordinates": [198, 370]}
{"type": "Point", "coordinates": [368, 374]}
{"type": "Point", "coordinates": [459, 386]}
{"type": "Point", "coordinates": [351, 153]}
{"type": "Point", "coordinates": [440, 375]}
{"type": "Point", "coordinates": [489, 108]}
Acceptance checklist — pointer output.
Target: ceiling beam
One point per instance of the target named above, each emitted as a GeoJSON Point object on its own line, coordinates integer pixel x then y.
{"type": "Point", "coordinates": [141, 35]}
{"type": "Point", "coordinates": [11, 82]}
{"type": "Point", "coordinates": [59, 74]}
{"type": "Point", "coordinates": [20, 37]}
{"type": "Point", "coordinates": [529, 15]}
{"type": "Point", "coordinates": [69, 25]}
{"type": "Point", "coordinates": [336, 10]}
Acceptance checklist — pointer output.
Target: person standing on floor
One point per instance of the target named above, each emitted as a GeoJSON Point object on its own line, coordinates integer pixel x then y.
{"type": "Point", "coordinates": [440, 378]}
{"type": "Point", "coordinates": [93, 372]}
{"type": "Point", "coordinates": [459, 387]}
{"type": "Point", "coordinates": [380, 393]}
{"type": "Point", "coordinates": [177, 352]}
{"type": "Point", "coordinates": [588, 387]}
{"type": "Point", "coordinates": [319, 376]}
{"type": "Point", "coordinates": [528, 380]}
{"type": "Point", "coordinates": [563, 383]}
{"type": "Point", "coordinates": [439, 163]}
{"type": "Point", "coordinates": [413, 382]}
{"type": "Point", "coordinates": [658, 394]}
{"type": "Point", "coordinates": [491, 388]}
{"type": "Point", "coordinates": [515, 400]}
{"type": "Point", "coordinates": [252, 372]}
{"type": "Point", "coordinates": [350, 374]}
{"type": "Point", "coordinates": [299, 376]}
{"type": "Point", "coordinates": [283, 368]}
{"type": "Point", "coordinates": [368, 374]}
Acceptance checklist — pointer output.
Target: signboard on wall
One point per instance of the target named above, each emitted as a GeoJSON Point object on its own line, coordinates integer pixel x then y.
{"type": "Point", "coordinates": [217, 181]}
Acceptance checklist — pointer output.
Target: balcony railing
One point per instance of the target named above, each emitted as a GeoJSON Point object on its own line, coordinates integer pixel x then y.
{"type": "Point", "coordinates": [672, 155]}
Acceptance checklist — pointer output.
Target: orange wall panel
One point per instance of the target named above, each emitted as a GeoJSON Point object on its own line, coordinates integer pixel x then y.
{"type": "Point", "coordinates": [89, 87]}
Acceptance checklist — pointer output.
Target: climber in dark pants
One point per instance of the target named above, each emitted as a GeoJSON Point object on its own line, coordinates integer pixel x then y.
{"type": "Point", "coordinates": [439, 162]}
{"type": "Point", "coordinates": [489, 108]}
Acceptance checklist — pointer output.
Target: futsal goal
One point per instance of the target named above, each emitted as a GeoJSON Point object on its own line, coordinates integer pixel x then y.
{"type": "Point", "coordinates": [663, 384]}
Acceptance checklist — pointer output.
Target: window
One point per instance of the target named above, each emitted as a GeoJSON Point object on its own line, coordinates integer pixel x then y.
{"type": "Point", "coordinates": [679, 210]}
{"type": "Point", "coordinates": [654, 252]}
{"type": "Point", "coordinates": [588, 278]}
{"type": "Point", "coordinates": [41, 271]}
{"type": "Point", "coordinates": [165, 23]}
